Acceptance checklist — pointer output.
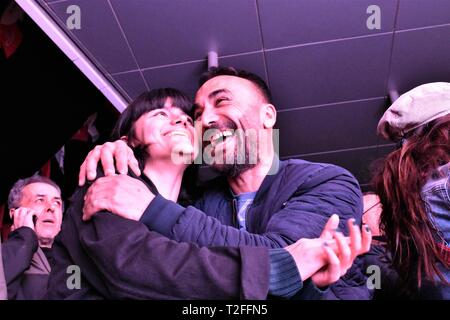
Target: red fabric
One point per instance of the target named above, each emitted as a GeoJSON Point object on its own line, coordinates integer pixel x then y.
{"type": "Point", "coordinates": [2, 214]}
{"type": "Point", "coordinates": [5, 232]}
{"type": "Point", "coordinates": [10, 38]}
{"type": "Point", "coordinates": [45, 170]}
{"type": "Point", "coordinates": [446, 252]}
{"type": "Point", "coordinates": [4, 228]}
{"type": "Point", "coordinates": [82, 134]}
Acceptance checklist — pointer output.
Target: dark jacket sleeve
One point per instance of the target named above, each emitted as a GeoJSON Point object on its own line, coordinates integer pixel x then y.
{"type": "Point", "coordinates": [135, 263]}
{"type": "Point", "coordinates": [329, 190]}
{"type": "Point", "coordinates": [140, 264]}
{"type": "Point", "coordinates": [68, 260]}
{"type": "Point", "coordinates": [17, 253]}
{"type": "Point", "coordinates": [57, 282]}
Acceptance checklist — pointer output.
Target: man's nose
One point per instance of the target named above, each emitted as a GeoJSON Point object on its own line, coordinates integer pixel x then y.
{"type": "Point", "coordinates": [51, 207]}
{"type": "Point", "coordinates": [208, 117]}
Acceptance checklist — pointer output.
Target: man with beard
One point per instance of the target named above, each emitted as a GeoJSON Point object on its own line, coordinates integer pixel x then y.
{"type": "Point", "coordinates": [259, 200]}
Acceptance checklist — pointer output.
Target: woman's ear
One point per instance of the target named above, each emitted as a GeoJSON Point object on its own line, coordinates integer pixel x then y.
{"type": "Point", "coordinates": [269, 116]}
{"type": "Point", "coordinates": [127, 141]}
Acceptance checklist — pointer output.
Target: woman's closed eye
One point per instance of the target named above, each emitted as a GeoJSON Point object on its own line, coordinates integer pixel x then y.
{"type": "Point", "coordinates": [160, 114]}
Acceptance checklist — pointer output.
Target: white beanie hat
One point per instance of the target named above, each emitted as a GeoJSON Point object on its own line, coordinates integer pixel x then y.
{"type": "Point", "coordinates": [414, 109]}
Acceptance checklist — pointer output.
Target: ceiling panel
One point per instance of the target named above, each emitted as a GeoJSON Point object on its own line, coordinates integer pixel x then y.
{"type": "Point", "coordinates": [253, 62]}
{"type": "Point", "coordinates": [422, 13]}
{"type": "Point", "coordinates": [356, 161]}
{"type": "Point", "coordinates": [185, 76]}
{"type": "Point", "coordinates": [420, 56]}
{"type": "Point", "coordinates": [360, 162]}
{"type": "Point", "coordinates": [97, 26]}
{"type": "Point", "coordinates": [333, 127]}
{"type": "Point", "coordinates": [131, 82]}
{"type": "Point", "coordinates": [329, 72]}
{"type": "Point", "coordinates": [165, 32]}
{"type": "Point", "coordinates": [290, 22]}
{"type": "Point", "coordinates": [384, 150]}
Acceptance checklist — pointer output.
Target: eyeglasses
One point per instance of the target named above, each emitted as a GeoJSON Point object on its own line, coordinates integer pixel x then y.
{"type": "Point", "coordinates": [373, 206]}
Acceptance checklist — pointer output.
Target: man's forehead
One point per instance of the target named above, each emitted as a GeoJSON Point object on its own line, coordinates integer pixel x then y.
{"type": "Point", "coordinates": [40, 188]}
{"type": "Point", "coordinates": [225, 82]}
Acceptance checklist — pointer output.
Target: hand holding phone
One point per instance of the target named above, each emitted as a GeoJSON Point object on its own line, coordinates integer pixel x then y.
{"type": "Point", "coordinates": [23, 217]}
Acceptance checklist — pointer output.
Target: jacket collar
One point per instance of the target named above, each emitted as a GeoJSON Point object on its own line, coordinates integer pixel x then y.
{"type": "Point", "coordinates": [39, 263]}
{"type": "Point", "coordinates": [276, 169]}
{"type": "Point", "coordinates": [149, 183]}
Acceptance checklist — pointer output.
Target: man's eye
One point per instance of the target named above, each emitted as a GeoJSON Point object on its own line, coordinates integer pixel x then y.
{"type": "Point", "coordinates": [39, 200]}
{"type": "Point", "coordinates": [219, 100]}
{"type": "Point", "coordinates": [197, 115]}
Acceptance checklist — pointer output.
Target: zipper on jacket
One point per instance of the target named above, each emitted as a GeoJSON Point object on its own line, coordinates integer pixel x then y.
{"type": "Point", "coordinates": [246, 218]}
{"type": "Point", "coordinates": [235, 218]}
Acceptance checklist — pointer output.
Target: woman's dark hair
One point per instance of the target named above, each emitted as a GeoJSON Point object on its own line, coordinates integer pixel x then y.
{"type": "Point", "coordinates": [146, 102]}
{"type": "Point", "coordinates": [411, 237]}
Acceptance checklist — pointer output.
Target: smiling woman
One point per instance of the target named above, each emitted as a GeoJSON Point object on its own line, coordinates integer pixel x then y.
{"type": "Point", "coordinates": [153, 117]}
{"type": "Point", "coordinates": [164, 132]}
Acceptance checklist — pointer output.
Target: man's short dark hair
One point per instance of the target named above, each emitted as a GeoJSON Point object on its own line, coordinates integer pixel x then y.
{"type": "Point", "coordinates": [15, 195]}
{"type": "Point", "coordinates": [230, 71]}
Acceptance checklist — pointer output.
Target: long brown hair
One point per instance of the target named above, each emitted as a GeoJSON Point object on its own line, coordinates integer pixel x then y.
{"type": "Point", "coordinates": [411, 236]}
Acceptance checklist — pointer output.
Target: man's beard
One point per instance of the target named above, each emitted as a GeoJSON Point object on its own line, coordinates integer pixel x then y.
{"type": "Point", "coordinates": [233, 170]}
{"type": "Point", "coordinates": [241, 159]}
{"type": "Point", "coordinates": [232, 163]}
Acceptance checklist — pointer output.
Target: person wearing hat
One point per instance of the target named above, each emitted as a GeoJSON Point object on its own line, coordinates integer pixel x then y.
{"type": "Point", "coordinates": [413, 184]}
{"type": "Point", "coordinates": [36, 208]}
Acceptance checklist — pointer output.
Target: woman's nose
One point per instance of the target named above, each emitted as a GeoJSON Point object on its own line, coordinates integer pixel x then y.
{"type": "Point", "coordinates": [181, 119]}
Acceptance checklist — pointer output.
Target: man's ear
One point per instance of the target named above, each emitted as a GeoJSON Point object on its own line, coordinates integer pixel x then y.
{"type": "Point", "coordinates": [269, 116]}
{"type": "Point", "coordinates": [11, 212]}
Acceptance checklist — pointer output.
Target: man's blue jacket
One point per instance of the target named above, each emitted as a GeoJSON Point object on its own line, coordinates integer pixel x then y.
{"type": "Point", "coordinates": [294, 203]}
